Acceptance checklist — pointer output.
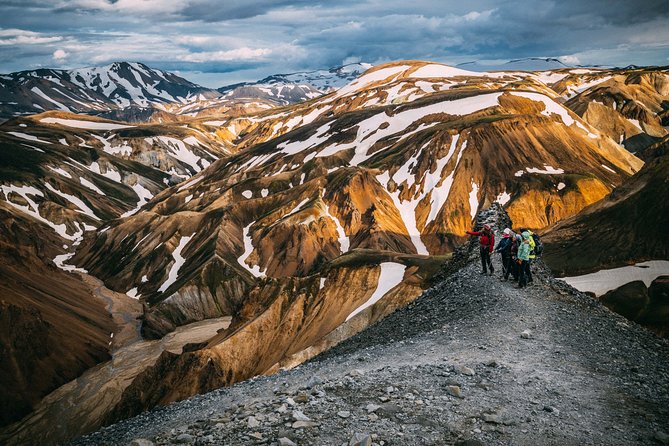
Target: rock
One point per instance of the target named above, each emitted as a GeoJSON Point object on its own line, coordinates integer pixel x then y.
{"type": "Point", "coordinates": [471, 442]}
{"type": "Point", "coordinates": [285, 441]}
{"type": "Point", "coordinates": [491, 363]}
{"type": "Point", "coordinates": [344, 414]}
{"type": "Point", "coordinates": [303, 424]}
{"type": "Point", "coordinates": [384, 399]}
{"type": "Point", "coordinates": [290, 401]}
{"type": "Point", "coordinates": [141, 442]}
{"type": "Point", "coordinates": [465, 370]}
{"type": "Point", "coordinates": [252, 422]}
{"type": "Point", "coordinates": [302, 397]}
{"type": "Point", "coordinates": [299, 416]}
{"type": "Point", "coordinates": [282, 408]}
{"type": "Point", "coordinates": [360, 440]}
{"type": "Point", "coordinates": [661, 437]}
{"type": "Point", "coordinates": [390, 389]}
{"type": "Point", "coordinates": [491, 418]}
{"type": "Point", "coordinates": [256, 435]}
{"type": "Point", "coordinates": [184, 438]}
{"type": "Point", "coordinates": [356, 373]}
{"type": "Point", "coordinates": [527, 334]}
{"type": "Point", "coordinates": [371, 407]}
{"type": "Point", "coordinates": [551, 409]}
{"type": "Point", "coordinates": [314, 381]}
{"type": "Point", "coordinates": [454, 391]}
{"type": "Point", "coordinates": [372, 417]}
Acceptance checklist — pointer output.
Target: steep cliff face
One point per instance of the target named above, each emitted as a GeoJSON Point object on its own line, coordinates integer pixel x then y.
{"type": "Point", "coordinates": [625, 227]}
{"type": "Point", "coordinates": [51, 326]}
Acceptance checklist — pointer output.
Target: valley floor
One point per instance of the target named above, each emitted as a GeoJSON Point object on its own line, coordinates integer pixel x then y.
{"type": "Point", "coordinates": [454, 367]}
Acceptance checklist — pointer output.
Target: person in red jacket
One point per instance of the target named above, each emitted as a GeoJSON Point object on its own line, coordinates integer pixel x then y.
{"type": "Point", "coordinates": [487, 244]}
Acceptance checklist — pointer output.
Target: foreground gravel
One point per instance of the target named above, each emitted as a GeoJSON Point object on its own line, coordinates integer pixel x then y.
{"type": "Point", "coordinates": [474, 361]}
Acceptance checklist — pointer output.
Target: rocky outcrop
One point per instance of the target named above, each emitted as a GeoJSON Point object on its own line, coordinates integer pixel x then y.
{"type": "Point", "coordinates": [648, 306]}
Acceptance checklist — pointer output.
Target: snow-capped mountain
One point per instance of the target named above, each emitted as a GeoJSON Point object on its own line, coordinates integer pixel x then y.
{"type": "Point", "coordinates": [321, 80]}
{"type": "Point", "coordinates": [95, 90]}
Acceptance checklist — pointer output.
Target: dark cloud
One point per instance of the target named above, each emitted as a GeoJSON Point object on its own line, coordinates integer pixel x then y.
{"type": "Point", "coordinates": [245, 40]}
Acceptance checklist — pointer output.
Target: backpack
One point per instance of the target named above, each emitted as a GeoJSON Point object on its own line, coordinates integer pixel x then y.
{"type": "Point", "coordinates": [538, 246]}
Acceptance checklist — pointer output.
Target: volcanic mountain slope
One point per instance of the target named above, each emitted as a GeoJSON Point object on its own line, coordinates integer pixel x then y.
{"type": "Point", "coordinates": [75, 173]}
{"type": "Point", "coordinates": [625, 227]}
{"type": "Point", "coordinates": [630, 106]}
{"type": "Point", "coordinates": [401, 178]}
{"type": "Point", "coordinates": [94, 90]}
{"type": "Point", "coordinates": [293, 235]}
{"type": "Point", "coordinates": [51, 327]}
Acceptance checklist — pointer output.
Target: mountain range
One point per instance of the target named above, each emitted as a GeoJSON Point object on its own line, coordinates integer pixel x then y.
{"type": "Point", "coordinates": [303, 218]}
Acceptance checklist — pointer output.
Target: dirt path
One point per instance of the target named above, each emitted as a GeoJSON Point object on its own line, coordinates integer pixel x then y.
{"type": "Point", "coordinates": [454, 366]}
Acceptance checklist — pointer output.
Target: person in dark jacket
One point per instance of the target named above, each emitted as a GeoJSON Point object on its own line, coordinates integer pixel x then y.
{"type": "Point", "coordinates": [486, 246]}
{"type": "Point", "coordinates": [504, 248]}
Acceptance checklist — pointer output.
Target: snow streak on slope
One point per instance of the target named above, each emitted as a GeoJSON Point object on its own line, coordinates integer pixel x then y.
{"type": "Point", "coordinates": [391, 275]}
{"type": "Point", "coordinates": [248, 249]}
{"type": "Point", "coordinates": [89, 125]}
{"type": "Point", "coordinates": [178, 263]}
{"type": "Point", "coordinates": [344, 242]}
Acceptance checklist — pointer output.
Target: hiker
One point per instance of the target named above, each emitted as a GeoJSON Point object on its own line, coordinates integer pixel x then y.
{"type": "Point", "coordinates": [504, 248]}
{"type": "Point", "coordinates": [486, 246]}
{"type": "Point", "coordinates": [524, 260]}
{"type": "Point", "coordinates": [516, 240]}
{"type": "Point", "coordinates": [533, 256]}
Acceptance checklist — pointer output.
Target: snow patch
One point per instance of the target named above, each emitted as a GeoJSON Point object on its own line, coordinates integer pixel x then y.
{"type": "Point", "coordinates": [391, 275]}
{"type": "Point", "coordinates": [605, 280]}
{"type": "Point", "coordinates": [248, 249]}
{"type": "Point", "coordinates": [178, 263]}
{"type": "Point", "coordinates": [89, 125]}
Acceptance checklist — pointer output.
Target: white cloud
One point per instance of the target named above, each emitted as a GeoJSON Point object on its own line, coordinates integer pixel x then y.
{"type": "Point", "coordinates": [24, 37]}
{"type": "Point", "coordinates": [59, 54]}
{"type": "Point", "coordinates": [244, 53]}
{"type": "Point", "coordinates": [129, 6]}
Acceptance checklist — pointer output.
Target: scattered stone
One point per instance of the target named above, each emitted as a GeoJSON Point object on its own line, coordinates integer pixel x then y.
{"type": "Point", "coordinates": [390, 389]}
{"type": "Point", "coordinates": [303, 424]}
{"type": "Point", "coordinates": [282, 408]}
{"type": "Point", "coordinates": [360, 440]}
{"type": "Point", "coordinates": [491, 363]}
{"type": "Point", "coordinates": [384, 399]}
{"type": "Point", "coordinates": [256, 435]}
{"type": "Point", "coordinates": [662, 437]}
{"type": "Point", "coordinates": [344, 414]}
{"type": "Point", "coordinates": [491, 418]}
{"type": "Point", "coordinates": [290, 401]}
{"type": "Point", "coordinates": [454, 391]}
{"type": "Point", "coordinates": [356, 373]}
{"type": "Point", "coordinates": [285, 441]}
{"type": "Point", "coordinates": [184, 438]}
{"type": "Point", "coordinates": [314, 381]}
{"type": "Point", "coordinates": [252, 422]}
{"type": "Point", "coordinates": [372, 417]}
{"type": "Point", "coordinates": [527, 334]}
{"type": "Point", "coordinates": [302, 397]}
{"type": "Point", "coordinates": [141, 442]}
{"type": "Point", "coordinates": [372, 407]}
{"type": "Point", "coordinates": [299, 416]}
{"type": "Point", "coordinates": [551, 409]}
{"type": "Point", "coordinates": [465, 370]}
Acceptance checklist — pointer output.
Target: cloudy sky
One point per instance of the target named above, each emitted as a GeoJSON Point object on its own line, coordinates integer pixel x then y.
{"type": "Point", "coordinates": [217, 42]}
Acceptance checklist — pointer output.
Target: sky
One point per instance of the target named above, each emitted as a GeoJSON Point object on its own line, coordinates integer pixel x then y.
{"type": "Point", "coordinates": [219, 42]}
